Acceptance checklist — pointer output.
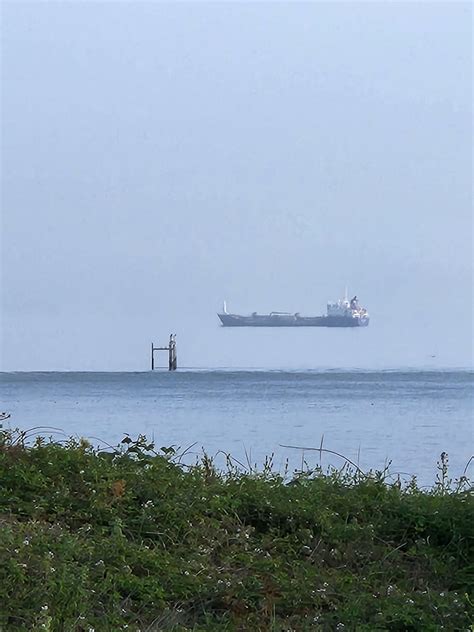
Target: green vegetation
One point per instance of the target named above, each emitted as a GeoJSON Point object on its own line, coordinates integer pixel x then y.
{"type": "Point", "coordinates": [130, 539]}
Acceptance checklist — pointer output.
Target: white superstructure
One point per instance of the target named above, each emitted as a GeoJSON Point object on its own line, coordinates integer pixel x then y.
{"type": "Point", "coordinates": [347, 309]}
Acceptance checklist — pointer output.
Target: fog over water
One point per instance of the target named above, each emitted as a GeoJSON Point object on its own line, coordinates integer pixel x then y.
{"type": "Point", "coordinates": [159, 158]}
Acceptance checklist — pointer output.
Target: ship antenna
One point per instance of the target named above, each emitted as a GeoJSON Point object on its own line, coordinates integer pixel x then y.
{"type": "Point", "coordinates": [224, 307]}
{"type": "Point", "coordinates": [345, 293]}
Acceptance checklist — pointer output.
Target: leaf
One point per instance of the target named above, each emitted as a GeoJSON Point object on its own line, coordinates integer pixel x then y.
{"type": "Point", "coordinates": [166, 450]}
{"type": "Point", "coordinates": [107, 455]}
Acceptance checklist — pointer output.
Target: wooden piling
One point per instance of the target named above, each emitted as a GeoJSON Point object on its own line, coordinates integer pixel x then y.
{"type": "Point", "coordinates": [175, 354]}
{"type": "Point", "coordinates": [172, 354]}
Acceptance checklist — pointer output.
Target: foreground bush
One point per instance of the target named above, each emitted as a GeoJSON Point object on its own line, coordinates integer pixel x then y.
{"type": "Point", "coordinates": [130, 539]}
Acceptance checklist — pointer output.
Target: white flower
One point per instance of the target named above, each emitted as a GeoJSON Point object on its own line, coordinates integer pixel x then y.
{"type": "Point", "coordinates": [44, 608]}
{"type": "Point", "coordinates": [26, 541]}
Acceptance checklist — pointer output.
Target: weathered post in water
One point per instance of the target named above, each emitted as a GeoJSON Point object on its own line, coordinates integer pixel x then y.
{"type": "Point", "coordinates": [175, 359]}
{"type": "Point", "coordinates": [172, 354]}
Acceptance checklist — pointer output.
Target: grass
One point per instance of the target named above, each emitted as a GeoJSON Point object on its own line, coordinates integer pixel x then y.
{"type": "Point", "coordinates": [131, 539]}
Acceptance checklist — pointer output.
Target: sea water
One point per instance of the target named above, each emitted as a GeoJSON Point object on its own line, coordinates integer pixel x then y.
{"type": "Point", "coordinates": [371, 417]}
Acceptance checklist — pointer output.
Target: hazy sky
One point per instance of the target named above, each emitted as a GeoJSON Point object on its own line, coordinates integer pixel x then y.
{"type": "Point", "coordinates": [158, 158]}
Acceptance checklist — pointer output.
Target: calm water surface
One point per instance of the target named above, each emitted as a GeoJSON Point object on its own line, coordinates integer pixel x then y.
{"type": "Point", "coordinates": [407, 417]}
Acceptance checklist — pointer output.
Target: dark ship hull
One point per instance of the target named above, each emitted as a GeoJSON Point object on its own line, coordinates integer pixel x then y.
{"type": "Point", "coordinates": [291, 320]}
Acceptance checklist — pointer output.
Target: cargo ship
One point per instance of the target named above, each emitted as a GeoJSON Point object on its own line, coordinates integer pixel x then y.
{"type": "Point", "coordinates": [342, 313]}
